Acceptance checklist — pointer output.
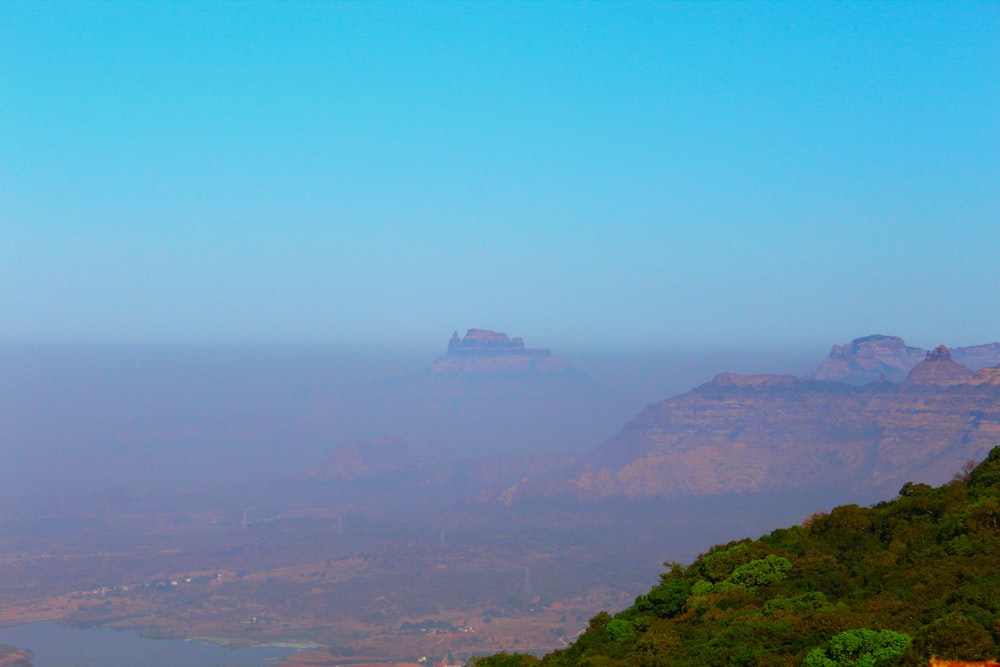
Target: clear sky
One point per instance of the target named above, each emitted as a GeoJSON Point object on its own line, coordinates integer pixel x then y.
{"type": "Point", "coordinates": [581, 174]}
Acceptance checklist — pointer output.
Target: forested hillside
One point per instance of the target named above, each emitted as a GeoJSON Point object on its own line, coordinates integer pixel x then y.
{"type": "Point", "coordinates": [887, 585]}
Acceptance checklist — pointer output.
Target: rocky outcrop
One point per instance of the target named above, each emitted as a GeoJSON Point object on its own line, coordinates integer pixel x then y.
{"type": "Point", "coordinates": [484, 341]}
{"type": "Point", "coordinates": [938, 370]}
{"type": "Point", "coordinates": [868, 359]}
{"type": "Point", "coordinates": [485, 352]}
{"type": "Point", "coordinates": [871, 358]}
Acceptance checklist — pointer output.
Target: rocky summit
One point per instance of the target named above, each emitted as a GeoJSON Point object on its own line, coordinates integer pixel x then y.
{"type": "Point", "coordinates": [868, 359]}
{"type": "Point", "coordinates": [876, 357]}
{"type": "Point", "coordinates": [939, 370]}
{"type": "Point", "coordinates": [486, 352]}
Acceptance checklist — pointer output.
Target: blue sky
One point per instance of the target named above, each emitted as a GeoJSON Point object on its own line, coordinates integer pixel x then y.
{"type": "Point", "coordinates": [617, 175]}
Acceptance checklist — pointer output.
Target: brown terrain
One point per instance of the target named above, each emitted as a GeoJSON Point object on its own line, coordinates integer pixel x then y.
{"type": "Point", "coordinates": [366, 589]}
{"type": "Point", "coordinates": [14, 657]}
{"type": "Point", "coordinates": [748, 434]}
{"type": "Point", "coordinates": [381, 553]}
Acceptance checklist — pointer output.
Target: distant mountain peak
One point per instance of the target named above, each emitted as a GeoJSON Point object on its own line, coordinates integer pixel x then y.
{"type": "Point", "coordinates": [869, 358]}
{"type": "Point", "coordinates": [871, 342]}
{"type": "Point", "coordinates": [939, 353]}
{"type": "Point", "coordinates": [488, 352]}
{"type": "Point", "coordinates": [487, 342]}
{"type": "Point", "coordinates": [880, 357]}
{"type": "Point", "coordinates": [938, 369]}
{"type": "Point", "coordinates": [761, 433]}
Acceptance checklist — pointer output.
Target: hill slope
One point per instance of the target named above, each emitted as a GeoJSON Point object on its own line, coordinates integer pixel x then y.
{"type": "Point", "coordinates": [889, 585]}
{"type": "Point", "coordinates": [754, 433]}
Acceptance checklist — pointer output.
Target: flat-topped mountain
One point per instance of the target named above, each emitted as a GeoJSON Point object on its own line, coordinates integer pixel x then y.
{"type": "Point", "coordinates": [482, 351]}
{"type": "Point", "coordinates": [767, 433]}
{"type": "Point", "coordinates": [479, 342]}
{"type": "Point", "coordinates": [870, 358]}
{"type": "Point", "coordinates": [487, 395]}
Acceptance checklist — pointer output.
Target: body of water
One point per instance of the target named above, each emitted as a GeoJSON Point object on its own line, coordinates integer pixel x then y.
{"type": "Point", "coordinates": [56, 645]}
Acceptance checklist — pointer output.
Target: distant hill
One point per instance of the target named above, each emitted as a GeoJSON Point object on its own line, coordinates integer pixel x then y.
{"type": "Point", "coordinates": [490, 395]}
{"type": "Point", "coordinates": [872, 358]}
{"type": "Point", "coordinates": [763, 433]}
{"type": "Point", "coordinates": [486, 352]}
{"type": "Point", "coordinates": [891, 585]}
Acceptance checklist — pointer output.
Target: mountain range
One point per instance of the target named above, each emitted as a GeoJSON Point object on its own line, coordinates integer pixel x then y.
{"type": "Point", "coordinates": [740, 434]}
{"type": "Point", "coordinates": [484, 511]}
{"type": "Point", "coordinates": [875, 357]}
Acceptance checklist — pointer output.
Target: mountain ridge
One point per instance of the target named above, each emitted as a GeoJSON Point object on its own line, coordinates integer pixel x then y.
{"type": "Point", "coordinates": [751, 433]}
{"type": "Point", "coordinates": [869, 358]}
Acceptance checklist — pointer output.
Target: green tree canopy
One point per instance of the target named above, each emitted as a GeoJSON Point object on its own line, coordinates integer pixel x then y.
{"type": "Point", "coordinates": [859, 648]}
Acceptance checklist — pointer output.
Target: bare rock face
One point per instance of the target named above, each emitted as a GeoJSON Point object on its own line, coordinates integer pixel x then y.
{"type": "Point", "coordinates": [937, 369]}
{"type": "Point", "coordinates": [485, 352]}
{"type": "Point", "coordinates": [872, 358]}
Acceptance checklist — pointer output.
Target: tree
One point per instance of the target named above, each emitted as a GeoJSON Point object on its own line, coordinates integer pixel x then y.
{"type": "Point", "coordinates": [955, 637]}
{"type": "Point", "coordinates": [504, 659]}
{"type": "Point", "coordinates": [862, 647]}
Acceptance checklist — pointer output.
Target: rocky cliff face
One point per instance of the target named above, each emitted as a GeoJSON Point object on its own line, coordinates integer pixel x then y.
{"type": "Point", "coordinates": [871, 358]}
{"type": "Point", "coordinates": [749, 434]}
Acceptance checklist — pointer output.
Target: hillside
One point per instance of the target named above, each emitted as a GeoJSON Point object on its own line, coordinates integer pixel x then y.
{"type": "Point", "coordinates": [761, 433]}
{"type": "Point", "coordinates": [893, 584]}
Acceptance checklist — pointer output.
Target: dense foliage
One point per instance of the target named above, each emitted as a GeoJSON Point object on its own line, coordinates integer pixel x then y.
{"type": "Point", "coordinates": [889, 585]}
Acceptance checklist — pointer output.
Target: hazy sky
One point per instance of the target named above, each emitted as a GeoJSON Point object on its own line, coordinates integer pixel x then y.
{"type": "Point", "coordinates": [627, 174]}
